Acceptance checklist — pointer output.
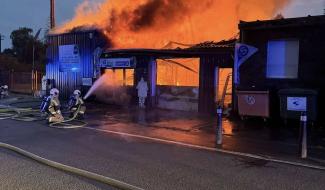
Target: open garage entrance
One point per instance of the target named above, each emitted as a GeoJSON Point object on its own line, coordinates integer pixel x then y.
{"type": "Point", "coordinates": [178, 84]}
{"type": "Point", "coordinates": [224, 87]}
{"type": "Point", "coordinates": [117, 86]}
{"type": "Point", "coordinates": [195, 79]}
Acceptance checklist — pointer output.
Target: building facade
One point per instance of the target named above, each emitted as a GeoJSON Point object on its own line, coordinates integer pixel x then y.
{"type": "Point", "coordinates": [290, 55]}
{"type": "Point", "coordinates": [71, 59]}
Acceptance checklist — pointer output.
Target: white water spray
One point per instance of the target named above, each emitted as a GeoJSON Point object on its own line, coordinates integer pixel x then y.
{"type": "Point", "coordinates": [99, 82]}
{"type": "Point", "coordinates": [111, 89]}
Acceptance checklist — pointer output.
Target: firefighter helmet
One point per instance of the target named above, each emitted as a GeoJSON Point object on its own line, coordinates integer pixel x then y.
{"type": "Point", "coordinates": [77, 92]}
{"type": "Point", "coordinates": [54, 92]}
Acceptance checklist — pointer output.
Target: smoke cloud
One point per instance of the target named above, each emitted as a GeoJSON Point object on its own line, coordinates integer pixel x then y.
{"type": "Point", "coordinates": [154, 23]}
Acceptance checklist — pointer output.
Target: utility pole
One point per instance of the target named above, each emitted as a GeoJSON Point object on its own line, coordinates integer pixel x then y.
{"type": "Point", "coordinates": [1, 38]}
{"type": "Point", "coordinates": [52, 14]}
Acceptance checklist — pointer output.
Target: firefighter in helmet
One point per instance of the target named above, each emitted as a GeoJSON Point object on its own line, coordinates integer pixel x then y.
{"type": "Point", "coordinates": [51, 105]}
{"type": "Point", "coordinates": [4, 91]}
{"type": "Point", "coordinates": [77, 105]}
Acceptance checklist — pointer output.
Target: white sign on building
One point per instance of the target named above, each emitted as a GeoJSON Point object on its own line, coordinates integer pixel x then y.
{"type": "Point", "coordinates": [117, 63]}
{"type": "Point", "coordinates": [69, 54]}
{"type": "Point", "coordinates": [87, 81]}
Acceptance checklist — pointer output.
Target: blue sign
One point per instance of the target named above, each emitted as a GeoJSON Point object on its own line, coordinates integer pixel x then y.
{"type": "Point", "coordinates": [69, 58]}
{"type": "Point", "coordinates": [117, 63]}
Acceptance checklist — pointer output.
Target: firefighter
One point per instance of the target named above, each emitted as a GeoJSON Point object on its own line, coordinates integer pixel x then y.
{"type": "Point", "coordinates": [76, 104]}
{"type": "Point", "coordinates": [52, 107]}
{"type": "Point", "coordinates": [4, 91]}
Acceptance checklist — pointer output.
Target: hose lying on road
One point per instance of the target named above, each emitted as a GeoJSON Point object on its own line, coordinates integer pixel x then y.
{"type": "Point", "coordinates": [20, 114]}
{"type": "Point", "coordinates": [28, 114]}
{"type": "Point", "coordinates": [66, 124]}
{"type": "Point", "coordinates": [6, 115]}
{"type": "Point", "coordinates": [73, 170]}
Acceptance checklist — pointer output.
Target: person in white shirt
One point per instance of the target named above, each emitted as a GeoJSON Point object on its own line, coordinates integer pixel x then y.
{"type": "Point", "coordinates": [142, 88]}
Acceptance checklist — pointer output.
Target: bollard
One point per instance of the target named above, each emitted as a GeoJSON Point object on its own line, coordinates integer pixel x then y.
{"type": "Point", "coordinates": [303, 124]}
{"type": "Point", "coordinates": [219, 126]}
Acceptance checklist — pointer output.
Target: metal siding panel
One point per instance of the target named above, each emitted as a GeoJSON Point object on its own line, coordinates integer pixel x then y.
{"type": "Point", "coordinates": [67, 81]}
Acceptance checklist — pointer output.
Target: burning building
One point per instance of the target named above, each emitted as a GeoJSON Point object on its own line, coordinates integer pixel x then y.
{"type": "Point", "coordinates": [71, 59]}
{"type": "Point", "coordinates": [182, 79]}
{"type": "Point", "coordinates": [135, 33]}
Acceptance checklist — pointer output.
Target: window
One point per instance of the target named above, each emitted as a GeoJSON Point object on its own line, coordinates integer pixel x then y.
{"type": "Point", "coordinates": [283, 59]}
{"type": "Point", "coordinates": [120, 77]}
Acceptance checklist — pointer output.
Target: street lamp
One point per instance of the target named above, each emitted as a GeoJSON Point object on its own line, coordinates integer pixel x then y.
{"type": "Point", "coordinates": [33, 66]}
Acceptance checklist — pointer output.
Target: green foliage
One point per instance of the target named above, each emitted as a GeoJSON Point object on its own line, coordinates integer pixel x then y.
{"type": "Point", "coordinates": [22, 43]}
{"type": "Point", "coordinates": [9, 52]}
{"type": "Point", "coordinates": [20, 57]}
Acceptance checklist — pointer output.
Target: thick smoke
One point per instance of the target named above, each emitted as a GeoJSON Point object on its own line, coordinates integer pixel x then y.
{"type": "Point", "coordinates": [164, 11]}
{"type": "Point", "coordinates": [154, 23]}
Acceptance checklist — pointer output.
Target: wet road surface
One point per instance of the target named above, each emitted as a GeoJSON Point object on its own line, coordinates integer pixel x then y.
{"type": "Point", "coordinates": [17, 172]}
{"type": "Point", "coordinates": [152, 165]}
{"type": "Point", "coordinates": [191, 128]}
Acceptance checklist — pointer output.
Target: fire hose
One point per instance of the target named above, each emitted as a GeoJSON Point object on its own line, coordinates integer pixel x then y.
{"type": "Point", "coordinates": [26, 114]}
{"type": "Point", "coordinates": [65, 123]}
{"type": "Point", "coordinates": [93, 176]}
{"type": "Point", "coordinates": [19, 114]}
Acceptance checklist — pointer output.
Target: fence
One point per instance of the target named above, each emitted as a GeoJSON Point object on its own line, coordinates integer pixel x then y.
{"type": "Point", "coordinates": [21, 82]}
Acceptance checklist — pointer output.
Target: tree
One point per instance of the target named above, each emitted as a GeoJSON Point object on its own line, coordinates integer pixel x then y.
{"type": "Point", "coordinates": [22, 42]}
{"type": "Point", "coordinates": [9, 52]}
{"type": "Point", "coordinates": [22, 47]}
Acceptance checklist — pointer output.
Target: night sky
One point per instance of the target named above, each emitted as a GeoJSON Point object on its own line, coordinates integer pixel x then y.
{"type": "Point", "coordinates": [35, 13]}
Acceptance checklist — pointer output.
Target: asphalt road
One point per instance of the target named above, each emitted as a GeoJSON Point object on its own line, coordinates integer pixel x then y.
{"type": "Point", "coordinates": [17, 172]}
{"type": "Point", "coordinates": [143, 163]}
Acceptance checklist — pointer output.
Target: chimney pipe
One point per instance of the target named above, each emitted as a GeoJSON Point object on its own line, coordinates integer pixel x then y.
{"type": "Point", "coordinates": [52, 17]}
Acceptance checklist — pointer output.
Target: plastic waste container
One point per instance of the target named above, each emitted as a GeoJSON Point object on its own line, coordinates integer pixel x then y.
{"type": "Point", "coordinates": [295, 101]}
{"type": "Point", "coordinates": [253, 103]}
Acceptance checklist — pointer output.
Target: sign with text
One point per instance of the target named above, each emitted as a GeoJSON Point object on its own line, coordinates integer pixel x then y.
{"type": "Point", "coordinates": [69, 58]}
{"type": "Point", "coordinates": [87, 81]}
{"type": "Point", "coordinates": [117, 63]}
{"type": "Point", "coordinates": [296, 103]}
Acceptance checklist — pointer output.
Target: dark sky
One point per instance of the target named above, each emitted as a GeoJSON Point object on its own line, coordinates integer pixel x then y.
{"type": "Point", "coordinates": [35, 13]}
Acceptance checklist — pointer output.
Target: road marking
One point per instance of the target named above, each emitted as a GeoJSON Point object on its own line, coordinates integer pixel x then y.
{"type": "Point", "coordinates": [210, 149]}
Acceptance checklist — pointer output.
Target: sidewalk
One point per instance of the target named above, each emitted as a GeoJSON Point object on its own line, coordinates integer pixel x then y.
{"type": "Point", "coordinates": [252, 136]}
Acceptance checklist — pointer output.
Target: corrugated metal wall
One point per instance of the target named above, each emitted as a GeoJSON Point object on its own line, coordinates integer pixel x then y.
{"type": "Point", "coordinates": [87, 42]}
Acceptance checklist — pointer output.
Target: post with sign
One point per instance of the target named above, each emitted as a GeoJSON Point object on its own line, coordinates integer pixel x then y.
{"type": "Point", "coordinates": [299, 104]}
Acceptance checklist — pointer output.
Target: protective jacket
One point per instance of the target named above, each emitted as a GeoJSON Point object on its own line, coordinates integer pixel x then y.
{"type": "Point", "coordinates": [76, 103]}
{"type": "Point", "coordinates": [54, 106]}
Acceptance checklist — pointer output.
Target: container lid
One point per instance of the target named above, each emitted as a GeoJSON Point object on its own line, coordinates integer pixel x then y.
{"type": "Point", "coordinates": [252, 92]}
{"type": "Point", "coordinates": [297, 91]}
{"type": "Point", "coordinates": [251, 88]}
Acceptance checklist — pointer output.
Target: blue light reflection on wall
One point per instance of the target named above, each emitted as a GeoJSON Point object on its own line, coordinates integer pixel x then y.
{"type": "Point", "coordinates": [70, 67]}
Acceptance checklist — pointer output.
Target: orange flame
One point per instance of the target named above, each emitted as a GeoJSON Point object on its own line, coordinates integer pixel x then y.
{"type": "Point", "coordinates": [154, 23]}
